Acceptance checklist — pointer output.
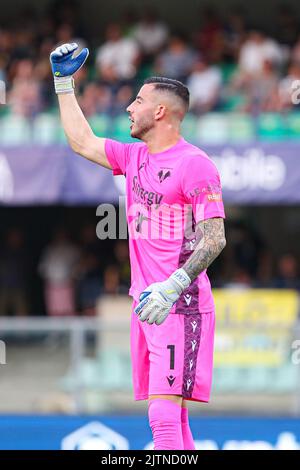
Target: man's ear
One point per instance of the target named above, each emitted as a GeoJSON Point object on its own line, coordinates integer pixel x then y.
{"type": "Point", "coordinates": [160, 112]}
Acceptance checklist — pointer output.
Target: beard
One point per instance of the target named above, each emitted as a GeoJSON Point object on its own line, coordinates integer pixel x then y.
{"type": "Point", "coordinates": [142, 127]}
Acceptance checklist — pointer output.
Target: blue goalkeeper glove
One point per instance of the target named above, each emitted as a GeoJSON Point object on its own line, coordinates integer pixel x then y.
{"type": "Point", "coordinates": [64, 65]}
{"type": "Point", "coordinates": [157, 299]}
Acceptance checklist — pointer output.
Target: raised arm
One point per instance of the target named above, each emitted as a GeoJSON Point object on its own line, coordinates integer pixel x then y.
{"type": "Point", "coordinates": [77, 129]}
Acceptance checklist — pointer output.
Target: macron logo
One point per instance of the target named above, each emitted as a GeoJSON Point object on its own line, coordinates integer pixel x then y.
{"type": "Point", "coordinates": [188, 298]}
{"type": "Point", "coordinates": [171, 380]}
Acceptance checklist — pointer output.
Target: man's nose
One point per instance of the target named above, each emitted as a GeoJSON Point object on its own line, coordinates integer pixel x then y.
{"type": "Point", "coordinates": [128, 109]}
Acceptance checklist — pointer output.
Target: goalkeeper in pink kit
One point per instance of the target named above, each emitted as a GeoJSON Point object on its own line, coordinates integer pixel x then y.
{"type": "Point", "coordinates": [175, 218]}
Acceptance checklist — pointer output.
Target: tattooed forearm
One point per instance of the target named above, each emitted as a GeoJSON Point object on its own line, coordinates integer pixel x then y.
{"type": "Point", "coordinates": [210, 241]}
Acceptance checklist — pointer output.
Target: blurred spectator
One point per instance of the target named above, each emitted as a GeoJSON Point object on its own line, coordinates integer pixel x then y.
{"type": "Point", "coordinates": [117, 58]}
{"type": "Point", "coordinates": [13, 274]}
{"type": "Point", "coordinates": [88, 271]}
{"type": "Point", "coordinates": [25, 95]}
{"type": "Point", "coordinates": [95, 99]}
{"type": "Point", "coordinates": [151, 34]}
{"type": "Point", "coordinates": [6, 49]}
{"type": "Point", "coordinates": [257, 49]}
{"type": "Point", "coordinates": [224, 46]}
{"type": "Point", "coordinates": [287, 273]}
{"type": "Point", "coordinates": [177, 60]}
{"type": "Point", "coordinates": [65, 11]}
{"type": "Point", "coordinates": [256, 80]}
{"type": "Point", "coordinates": [204, 84]}
{"type": "Point", "coordinates": [111, 282]}
{"type": "Point", "coordinates": [287, 27]}
{"type": "Point", "coordinates": [234, 34]}
{"type": "Point", "coordinates": [2, 69]}
{"type": "Point", "coordinates": [262, 92]}
{"type": "Point", "coordinates": [129, 19]}
{"type": "Point", "coordinates": [240, 280]}
{"type": "Point", "coordinates": [122, 259]}
{"type": "Point", "coordinates": [295, 55]}
{"type": "Point", "coordinates": [65, 33]}
{"type": "Point", "coordinates": [56, 267]}
{"type": "Point", "coordinates": [245, 250]}
{"type": "Point", "coordinates": [285, 88]}
{"type": "Point", "coordinates": [23, 43]}
{"type": "Point", "coordinates": [122, 99]}
{"type": "Point", "coordinates": [209, 39]}
{"type": "Point", "coordinates": [42, 71]}
{"type": "Point", "coordinates": [46, 29]}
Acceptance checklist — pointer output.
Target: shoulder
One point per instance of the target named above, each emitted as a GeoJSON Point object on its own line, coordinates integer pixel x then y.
{"type": "Point", "coordinates": [137, 147]}
{"type": "Point", "coordinates": [131, 146]}
{"type": "Point", "coordinates": [194, 157]}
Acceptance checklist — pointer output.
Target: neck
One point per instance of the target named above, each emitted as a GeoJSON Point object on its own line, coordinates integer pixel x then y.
{"type": "Point", "coordinates": [162, 140]}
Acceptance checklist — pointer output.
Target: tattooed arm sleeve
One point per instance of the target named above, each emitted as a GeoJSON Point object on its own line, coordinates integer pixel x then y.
{"type": "Point", "coordinates": [210, 241]}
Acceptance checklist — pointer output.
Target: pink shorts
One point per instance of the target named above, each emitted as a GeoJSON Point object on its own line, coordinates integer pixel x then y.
{"type": "Point", "coordinates": [174, 358]}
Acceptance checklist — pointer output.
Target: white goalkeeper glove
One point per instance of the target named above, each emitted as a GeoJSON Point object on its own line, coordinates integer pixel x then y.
{"type": "Point", "coordinates": [157, 299]}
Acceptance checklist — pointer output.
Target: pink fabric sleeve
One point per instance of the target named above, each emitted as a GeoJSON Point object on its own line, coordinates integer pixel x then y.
{"type": "Point", "coordinates": [201, 187]}
{"type": "Point", "coordinates": [117, 154]}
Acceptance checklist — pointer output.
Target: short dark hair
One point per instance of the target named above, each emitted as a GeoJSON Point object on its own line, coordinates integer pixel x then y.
{"type": "Point", "coordinates": [173, 86]}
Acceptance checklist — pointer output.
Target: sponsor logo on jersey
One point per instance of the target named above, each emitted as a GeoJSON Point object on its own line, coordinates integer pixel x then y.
{"type": "Point", "coordinates": [148, 197]}
{"type": "Point", "coordinates": [214, 197]}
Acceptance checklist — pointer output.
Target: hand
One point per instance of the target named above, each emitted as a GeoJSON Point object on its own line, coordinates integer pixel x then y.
{"type": "Point", "coordinates": [157, 300]}
{"type": "Point", "coordinates": [64, 65]}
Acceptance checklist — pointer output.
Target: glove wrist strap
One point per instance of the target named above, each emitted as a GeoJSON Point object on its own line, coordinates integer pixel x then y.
{"type": "Point", "coordinates": [64, 84]}
{"type": "Point", "coordinates": [181, 278]}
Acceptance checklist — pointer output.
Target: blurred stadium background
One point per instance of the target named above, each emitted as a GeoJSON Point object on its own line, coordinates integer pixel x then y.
{"type": "Point", "coordinates": [64, 312]}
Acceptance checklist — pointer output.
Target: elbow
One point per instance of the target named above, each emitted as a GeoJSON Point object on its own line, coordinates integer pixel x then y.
{"type": "Point", "coordinates": [74, 144]}
{"type": "Point", "coordinates": [75, 147]}
{"type": "Point", "coordinates": [78, 144]}
{"type": "Point", "coordinates": [222, 244]}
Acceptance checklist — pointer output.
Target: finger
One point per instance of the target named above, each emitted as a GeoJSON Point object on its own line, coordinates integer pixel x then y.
{"type": "Point", "coordinates": [140, 306]}
{"type": "Point", "coordinates": [161, 318]}
{"type": "Point", "coordinates": [56, 53]}
{"type": "Point", "coordinates": [154, 314]}
{"type": "Point", "coordinates": [83, 55]}
{"type": "Point", "coordinates": [143, 316]}
{"type": "Point", "coordinates": [72, 47]}
{"type": "Point", "coordinates": [149, 308]}
{"type": "Point", "coordinates": [64, 49]}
